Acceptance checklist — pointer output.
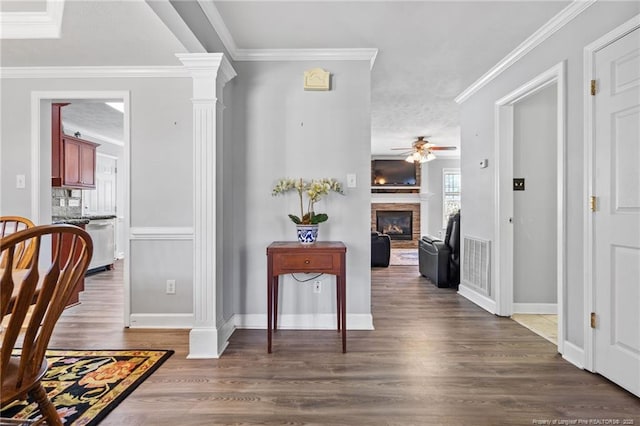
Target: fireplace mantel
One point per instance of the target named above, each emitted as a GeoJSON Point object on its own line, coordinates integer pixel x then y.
{"type": "Point", "coordinates": [401, 198]}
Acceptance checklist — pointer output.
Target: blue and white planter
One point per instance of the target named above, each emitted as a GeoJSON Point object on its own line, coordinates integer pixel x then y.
{"type": "Point", "coordinates": [307, 234]}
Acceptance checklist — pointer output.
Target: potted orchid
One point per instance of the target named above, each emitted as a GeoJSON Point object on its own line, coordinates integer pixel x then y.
{"type": "Point", "coordinates": [308, 220]}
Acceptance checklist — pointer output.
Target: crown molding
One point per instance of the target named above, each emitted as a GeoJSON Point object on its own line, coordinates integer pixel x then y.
{"type": "Point", "coordinates": [93, 72]}
{"type": "Point", "coordinates": [32, 25]}
{"type": "Point", "coordinates": [357, 54]}
{"type": "Point", "coordinates": [563, 17]}
{"type": "Point", "coordinates": [237, 54]}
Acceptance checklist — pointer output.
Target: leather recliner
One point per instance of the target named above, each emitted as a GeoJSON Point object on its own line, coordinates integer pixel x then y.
{"type": "Point", "coordinates": [438, 260]}
{"type": "Point", "coordinates": [380, 249]}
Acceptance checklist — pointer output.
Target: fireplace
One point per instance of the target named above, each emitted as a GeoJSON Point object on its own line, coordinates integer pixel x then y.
{"type": "Point", "coordinates": [398, 224]}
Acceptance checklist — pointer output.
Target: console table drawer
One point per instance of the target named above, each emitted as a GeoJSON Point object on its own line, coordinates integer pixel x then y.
{"type": "Point", "coordinates": [305, 262]}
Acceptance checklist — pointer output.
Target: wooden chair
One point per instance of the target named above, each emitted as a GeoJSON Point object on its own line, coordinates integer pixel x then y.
{"type": "Point", "coordinates": [10, 225]}
{"type": "Point", "coordinates": [52, 287]}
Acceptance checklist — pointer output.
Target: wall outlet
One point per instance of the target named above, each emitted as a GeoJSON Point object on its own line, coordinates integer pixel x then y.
{"type": "Point", "coordinates": [62, 202]}
{"type": "Point", "coordinates": [74, 203]}
{"type": "Point", "coordinates": [317, 286]}
{"type": "Point", "coordinates": [20, 182]}
{"type": "Point", "coordinates": [171, 286]}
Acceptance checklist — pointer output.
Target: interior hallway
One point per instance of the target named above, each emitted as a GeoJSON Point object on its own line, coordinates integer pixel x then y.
{"type": "Point", "coordinates": [434, 359]}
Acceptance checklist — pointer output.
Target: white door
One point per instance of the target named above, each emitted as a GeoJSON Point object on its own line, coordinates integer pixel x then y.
{"type": "Point", "coordinates": [102, 200]}
{"type": "Point", "coordinates": [616, 232]}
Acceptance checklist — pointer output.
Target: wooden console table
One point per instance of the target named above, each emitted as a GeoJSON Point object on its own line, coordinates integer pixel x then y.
{"type": "Point", "coordinates": [286, 257]}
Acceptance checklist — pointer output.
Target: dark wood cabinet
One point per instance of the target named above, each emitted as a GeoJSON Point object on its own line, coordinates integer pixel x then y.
{"type": "Point", "coordinates": [73, 160]}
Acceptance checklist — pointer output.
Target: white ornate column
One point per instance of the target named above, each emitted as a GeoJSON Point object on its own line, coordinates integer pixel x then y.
{"type": "Point", "coordinates": [210, 72]}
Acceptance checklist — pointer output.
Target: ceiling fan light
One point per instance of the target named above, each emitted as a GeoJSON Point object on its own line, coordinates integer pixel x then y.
{"type": "Point", "coordinates": [409, 159]}
{"type": "Point", "coordinates": [430, 156]}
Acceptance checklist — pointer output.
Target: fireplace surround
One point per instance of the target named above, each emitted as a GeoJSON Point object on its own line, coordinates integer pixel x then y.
{"type": "Point", "coordinates": [414, 208]}
{"type": "Point", "coordinates": [398, 224]}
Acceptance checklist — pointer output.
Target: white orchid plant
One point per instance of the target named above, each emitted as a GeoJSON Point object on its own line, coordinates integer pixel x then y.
{"type": "Point", "coordinates": [314, 189]}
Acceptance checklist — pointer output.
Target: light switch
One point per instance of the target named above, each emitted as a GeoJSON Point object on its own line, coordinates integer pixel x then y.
{"type": "Point", "coordinates": [518, 184]}
{"type": "Point", "coordinates": [20, 181]}
{"type": "Point", "coordinates": [351, 180]}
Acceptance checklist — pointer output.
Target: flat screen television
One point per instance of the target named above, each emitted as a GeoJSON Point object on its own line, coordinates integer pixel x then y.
{"type": "Point", "coordinates": [393, 173]}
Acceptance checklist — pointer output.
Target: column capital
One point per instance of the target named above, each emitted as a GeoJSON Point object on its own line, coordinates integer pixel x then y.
{"type": "Point", "coordinates": [207, 65]}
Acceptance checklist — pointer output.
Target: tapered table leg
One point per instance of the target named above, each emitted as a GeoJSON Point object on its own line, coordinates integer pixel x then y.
{"type": "Point", "coordinates": [276, 284]}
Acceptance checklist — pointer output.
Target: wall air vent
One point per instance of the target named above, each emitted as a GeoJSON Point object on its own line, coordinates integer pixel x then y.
{"type": "Point", "coordinates": [476, 264]}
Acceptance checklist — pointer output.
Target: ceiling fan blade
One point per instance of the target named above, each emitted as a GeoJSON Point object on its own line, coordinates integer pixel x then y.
{"type": "Point", "coordinates": [443, 148]}
{"type": "Point", "coordinates": [404, 149]}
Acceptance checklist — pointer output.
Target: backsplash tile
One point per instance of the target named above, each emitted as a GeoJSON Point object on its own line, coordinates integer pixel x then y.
{"type": "Point", "coordinates": [66, 202]}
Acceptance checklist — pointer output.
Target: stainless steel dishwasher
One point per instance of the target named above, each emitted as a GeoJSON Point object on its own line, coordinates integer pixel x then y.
{"type": "Point", "coordinates": [102, 232]}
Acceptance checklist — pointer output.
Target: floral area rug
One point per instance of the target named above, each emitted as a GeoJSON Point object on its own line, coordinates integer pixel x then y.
{"type": "Point", "coordinates": [85, 386]}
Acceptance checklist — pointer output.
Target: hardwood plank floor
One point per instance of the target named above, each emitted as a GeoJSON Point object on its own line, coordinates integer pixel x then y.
{"type": "Point", "coordinates": [433, 359]}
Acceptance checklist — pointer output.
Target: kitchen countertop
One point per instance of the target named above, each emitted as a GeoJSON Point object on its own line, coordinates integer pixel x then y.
{"type": "Point", "coordinates": [69, 221]}
{"type": "Point", "coordinates": [80, 220]}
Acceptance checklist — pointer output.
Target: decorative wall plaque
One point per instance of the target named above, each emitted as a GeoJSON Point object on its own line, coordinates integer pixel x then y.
{"type": "Point", "coordinates": [317, 79]}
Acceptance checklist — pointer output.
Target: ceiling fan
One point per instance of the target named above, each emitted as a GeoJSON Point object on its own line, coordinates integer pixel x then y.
{"type": "Point", "coordinates": [421, 150]}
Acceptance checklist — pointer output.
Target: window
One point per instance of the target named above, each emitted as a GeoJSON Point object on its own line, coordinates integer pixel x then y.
{"type": "Point", "coordinates": [450, 193]}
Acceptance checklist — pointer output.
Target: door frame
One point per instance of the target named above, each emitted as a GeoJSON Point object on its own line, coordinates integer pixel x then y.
{"type": "Point", "coordinates": [589, 177]}
{"type": "Point", "coordinates": [504, 206]}
{"type": "Point", "coordinates": [38, 187]}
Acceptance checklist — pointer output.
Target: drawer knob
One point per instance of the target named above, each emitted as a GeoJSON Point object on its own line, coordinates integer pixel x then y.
{"type": "Point", "coordinates": [307, 262]}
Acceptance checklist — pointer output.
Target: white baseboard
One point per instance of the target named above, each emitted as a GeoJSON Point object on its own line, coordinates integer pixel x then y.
{"type": "Point", "coordinates": [535, 308]}
{"type": "Point", "coordinates": [161, 320]}
{"type": "Point", "coordinates": [573, 354]}
{"type": "Point", "coordinates": [479, 299]}
{"type": "Point", "coordinates": [203, 343]}
{"type": "Point", "coordinates": [224, 333]}
{"type": "Point", "coordinates": [304, 321]}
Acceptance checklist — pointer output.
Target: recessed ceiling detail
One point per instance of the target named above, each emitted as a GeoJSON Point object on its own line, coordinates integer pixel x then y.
{"type": "Point", "coordinates": [32, 24]}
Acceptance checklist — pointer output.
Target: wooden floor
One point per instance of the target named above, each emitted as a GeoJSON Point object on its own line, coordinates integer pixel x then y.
{"type": "Point", "coordinates": [433, 359]}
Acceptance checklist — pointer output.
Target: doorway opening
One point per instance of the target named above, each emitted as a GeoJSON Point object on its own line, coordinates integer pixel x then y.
{"type": "Point", "coordinates": [41, 190]}
{"type": "Point", "coordinates": [530, 195]}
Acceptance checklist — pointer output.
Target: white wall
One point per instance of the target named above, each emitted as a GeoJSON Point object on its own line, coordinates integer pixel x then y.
{"type": "Point", "coordinates": [432, 185]}
{"type": "Point", "coordinates": [160, 171]}
{"type": "Point", "coordinates": [535, 208]}
{"type": "Point", "coordinates": [280, 130]}
{"type": "Point", "coordinates": [477, 131]}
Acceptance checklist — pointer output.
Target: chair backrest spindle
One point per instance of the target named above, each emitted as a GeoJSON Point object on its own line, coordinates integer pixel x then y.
{"type": "Point", "coordinates": [46, 291]}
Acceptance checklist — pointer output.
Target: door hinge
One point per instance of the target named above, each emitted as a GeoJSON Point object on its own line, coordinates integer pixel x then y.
{"type": "Point", "coordinates": [593, 87]}
{"type": "Point", "coordinates": [593, 320]}
{"type": "Point", "coordinates": [593, 203]}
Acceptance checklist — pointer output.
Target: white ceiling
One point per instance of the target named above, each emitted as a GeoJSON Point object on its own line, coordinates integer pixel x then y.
{"type": "Point", "coordinates": [98, 33]}
{"type": "Point", "coordinates": [428, 51]}
{"type": "Point", "coordinates": [94, 119]}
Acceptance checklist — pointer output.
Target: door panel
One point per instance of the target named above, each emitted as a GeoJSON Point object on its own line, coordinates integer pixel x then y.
{"type": "Point", "coordinates": [617, 219]}
{"type": "Point", "coordinates": [626, 161]}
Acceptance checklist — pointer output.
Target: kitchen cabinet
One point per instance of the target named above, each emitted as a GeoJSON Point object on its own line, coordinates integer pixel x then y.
{"type": "Point", "coordinates": [73, 160]}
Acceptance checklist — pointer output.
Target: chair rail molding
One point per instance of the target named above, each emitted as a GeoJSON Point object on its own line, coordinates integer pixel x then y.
{"type": "Point", "coordinates": [160, 233]}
